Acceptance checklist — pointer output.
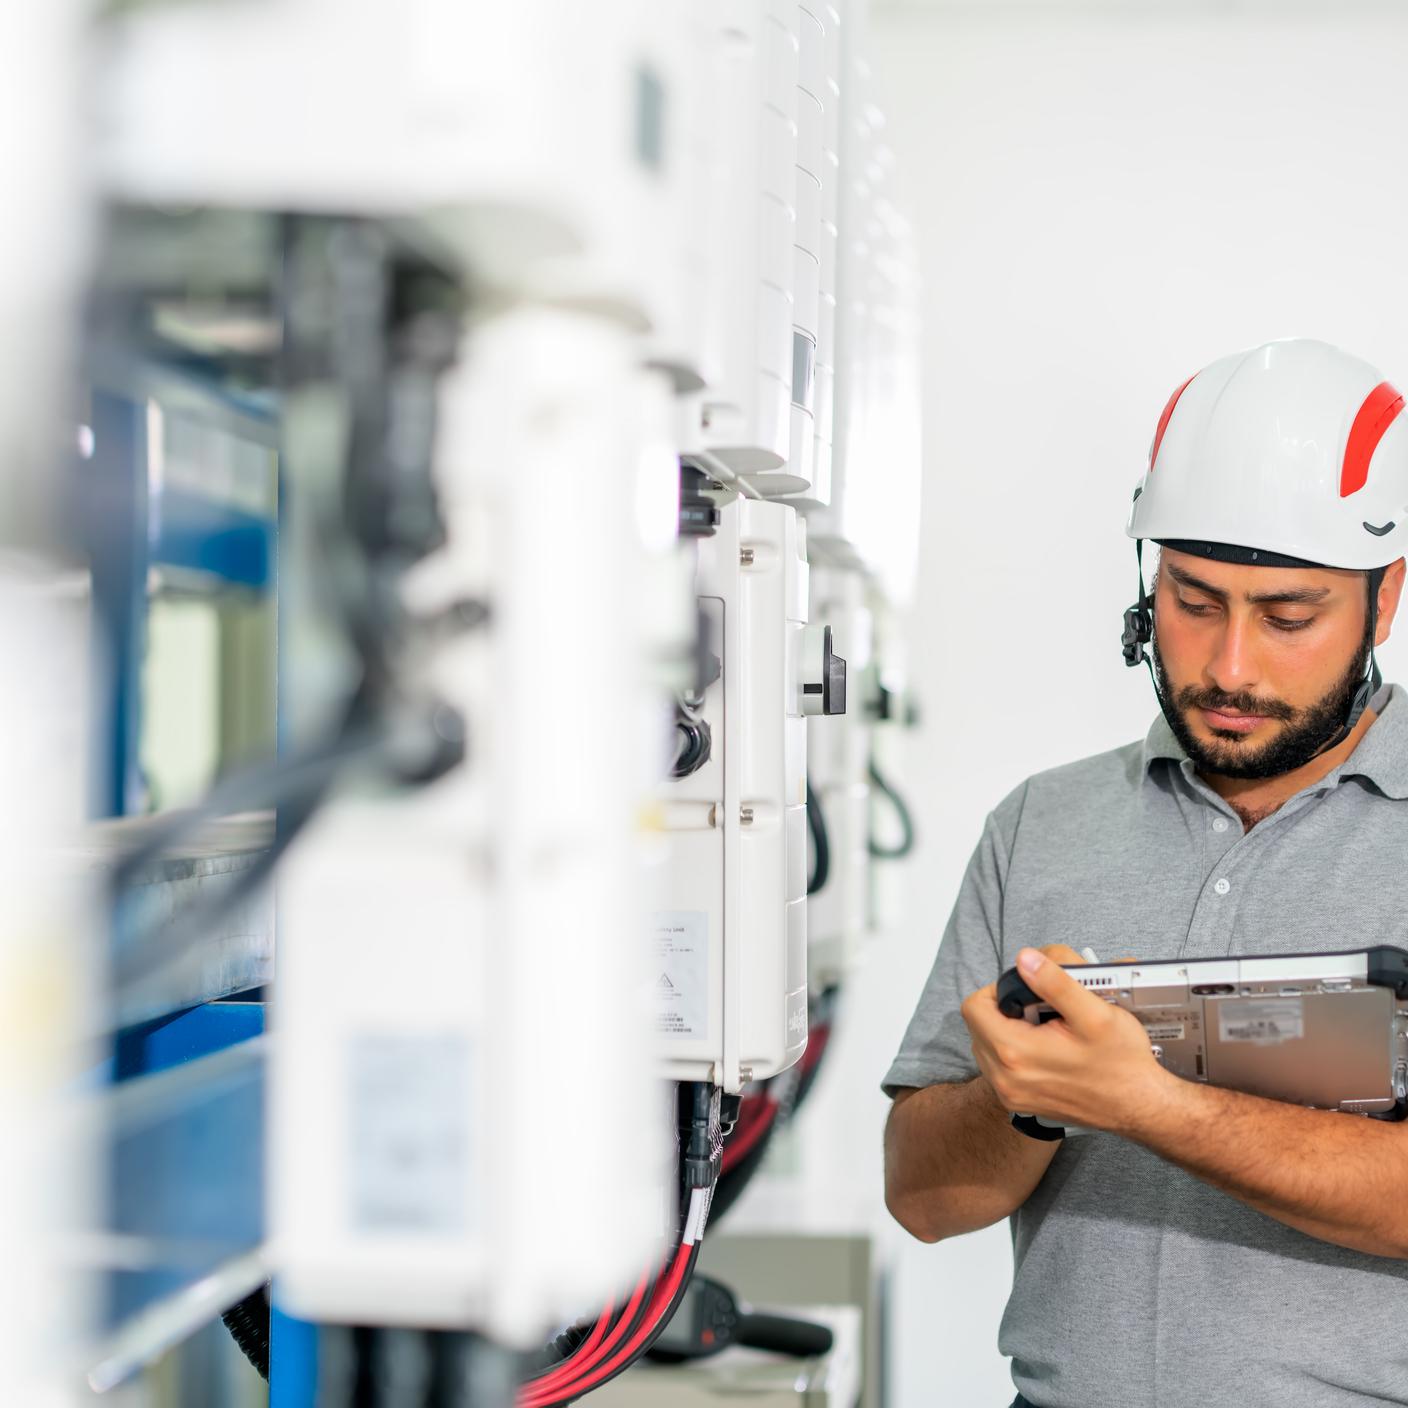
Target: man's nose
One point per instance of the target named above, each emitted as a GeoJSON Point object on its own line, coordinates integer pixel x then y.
{"type": "Point", "coordinates": [1232, 667]}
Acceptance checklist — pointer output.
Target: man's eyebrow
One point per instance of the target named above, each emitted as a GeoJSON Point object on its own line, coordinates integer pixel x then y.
{"type": "Point", "coordinates": [1292, 596]}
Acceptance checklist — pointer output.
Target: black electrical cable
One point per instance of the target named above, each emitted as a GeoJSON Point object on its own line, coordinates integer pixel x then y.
{"type": "Point", "coordinates": [467, 1369]}
{"type": "Point", "coordinates": [622, 1336]}
{"type": "Point", "coordinates": [564, 1345]}
{"type": "Point", "coordinates": [648, 1343]}
{"type": "Point", "coordinates": [552, 1357]}
{"type": "Point", "coordinates": [139, 957]}
{"type": "Point", "coordinates": [248, 1324]}
{"type": "Point", "coordinates": [256, 788]}
{"type": "Point", "coordinates": [906, 844]}
{"type": "Point", "coordinates": [821, 843]}
{"type": "Point", "coordinates": [296, 795]}
{"type": "Point", "coordinates": [699, 1154]}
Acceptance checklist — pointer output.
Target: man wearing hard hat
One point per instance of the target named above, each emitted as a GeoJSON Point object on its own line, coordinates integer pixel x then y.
{"type": "Point", "coordinates": [1194, 1245]}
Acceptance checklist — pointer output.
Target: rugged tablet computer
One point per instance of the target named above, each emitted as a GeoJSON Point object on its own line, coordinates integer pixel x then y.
{"type": "Point", "coordinates": [1328, 1030]}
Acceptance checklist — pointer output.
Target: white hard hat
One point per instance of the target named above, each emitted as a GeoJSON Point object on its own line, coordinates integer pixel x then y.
{"type": "Point", "coordinates": [1291, 453]}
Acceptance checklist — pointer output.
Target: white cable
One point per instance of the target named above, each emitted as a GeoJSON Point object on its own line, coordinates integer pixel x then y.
{"type": "Point", "coordinates": [720, 470]}
{"type": "Point", "coordinates": [698, 1212]}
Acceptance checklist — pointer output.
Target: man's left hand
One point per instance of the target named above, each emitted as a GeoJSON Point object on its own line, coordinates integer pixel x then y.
{"type": "Point", "coordinates": [1093, 1068]}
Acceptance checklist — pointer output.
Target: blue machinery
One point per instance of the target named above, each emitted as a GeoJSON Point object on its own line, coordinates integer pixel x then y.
{"type": "Point", "coordinates": [183, 1123]}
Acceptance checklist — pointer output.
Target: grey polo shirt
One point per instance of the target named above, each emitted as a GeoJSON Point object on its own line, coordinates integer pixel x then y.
{"type": "Point", "coordinates": [1136, 1285]}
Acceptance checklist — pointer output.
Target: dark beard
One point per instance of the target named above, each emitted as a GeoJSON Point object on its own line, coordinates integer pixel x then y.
{"type": "Point", "coordinates": [1306, 731]}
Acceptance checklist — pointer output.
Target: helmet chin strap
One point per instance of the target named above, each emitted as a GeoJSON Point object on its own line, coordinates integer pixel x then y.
{"type": "Point", "coordinates": [1373, 680]}
{"type": "Point", "coordinates": [1139, 632]}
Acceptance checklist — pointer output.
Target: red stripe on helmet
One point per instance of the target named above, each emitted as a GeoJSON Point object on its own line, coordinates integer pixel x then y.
{"type": "Point", "coordinates": [1375, 416]}
{"type": "Point", "coordinates": [1164, 420]}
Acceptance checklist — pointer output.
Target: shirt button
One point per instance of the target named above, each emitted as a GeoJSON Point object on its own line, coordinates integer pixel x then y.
{"type": "Point", "coordinates": [1222, 886]}
{"type": "Point", "coordinates": [1219, 823]}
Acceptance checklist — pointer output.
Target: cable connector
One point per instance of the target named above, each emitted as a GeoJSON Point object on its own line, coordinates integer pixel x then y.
{"type": "Point", "coordinates": [730, 1106]}
{"type": "Point", "coordinates": [700, 1133]}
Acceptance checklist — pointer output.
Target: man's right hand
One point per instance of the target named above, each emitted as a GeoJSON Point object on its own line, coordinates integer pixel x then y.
{"type": "Point", "coordinates": [1061, 953]}
{"type": "Point", "coordinates": [953, 1162]}
{"type": "Point", "coordinates": [1057, 953]}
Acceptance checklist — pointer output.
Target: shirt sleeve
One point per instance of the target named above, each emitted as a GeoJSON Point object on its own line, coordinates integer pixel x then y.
{"type": "Point", "coordinates": [936, 1049]}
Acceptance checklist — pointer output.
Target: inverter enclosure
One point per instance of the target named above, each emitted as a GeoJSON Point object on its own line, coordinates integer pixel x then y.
{"type": "Point", "coordinates": [838, 764]}
{"type": "Point", "coordinates": [831, 177]}
{"type": "Point", "coordinates": [746, 420]}
{"type": "Point", "coordinates": [541, 143]}
{"type": "Point", "coordinates": [461, 976]}
{"type": "Point", "coordinates": [795, 477]}
{"type": "Point", "coordinates": [862, 505]}
{"type": "Point", "coordinates": [730, 947]}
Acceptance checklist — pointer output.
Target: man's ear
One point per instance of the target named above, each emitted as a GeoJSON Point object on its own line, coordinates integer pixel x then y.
{"type": "Point", "coordinates": [1390, 593]}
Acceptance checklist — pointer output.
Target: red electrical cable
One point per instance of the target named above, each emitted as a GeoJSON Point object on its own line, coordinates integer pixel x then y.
{"type": "Point", "coordinates": [540, 1395]}
{"type": "Point", "coordinates": [590, 1354]}
{"type": "Point", "coordinates": [596, 1336]}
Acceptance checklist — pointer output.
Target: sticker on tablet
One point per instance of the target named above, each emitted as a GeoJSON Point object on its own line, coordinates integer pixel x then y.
{"type": "Point", "coordinates": [1263, 1021]}
{"type": "Point", "coordinates": [1164, 1031]}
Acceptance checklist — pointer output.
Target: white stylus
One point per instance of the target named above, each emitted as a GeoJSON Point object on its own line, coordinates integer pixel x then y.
{"type": "Point", "coordinates": [1089, 955]}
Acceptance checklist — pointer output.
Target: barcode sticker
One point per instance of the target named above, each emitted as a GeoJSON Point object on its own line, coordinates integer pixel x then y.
{"type": "Point", "coordinates": [1164, 1031]}
{"type": "Point", "coordinates": [1264, 1021]}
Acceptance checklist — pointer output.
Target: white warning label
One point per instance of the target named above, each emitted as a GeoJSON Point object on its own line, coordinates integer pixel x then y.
{"type": "Point", "coordinates": [409, 1132]}
{"type": "Point", "coordinates": [681, 986]}
{"type": "Point", "coordinates": [1164, 1031]}
{"type": "Point", "coordinates": [1265, 1021]}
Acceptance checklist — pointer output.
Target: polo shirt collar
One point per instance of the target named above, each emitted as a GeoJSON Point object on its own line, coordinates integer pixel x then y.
{"type": "Point", "coordinates": [1381, 757]}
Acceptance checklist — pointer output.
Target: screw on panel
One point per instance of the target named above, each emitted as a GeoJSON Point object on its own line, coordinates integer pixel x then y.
{"type": "Point", "coordinates": [745, 557]}
{"type": "Point", "coordinates": [745, 1074]}
{"type": "Point", "coordinates": [745, 816]}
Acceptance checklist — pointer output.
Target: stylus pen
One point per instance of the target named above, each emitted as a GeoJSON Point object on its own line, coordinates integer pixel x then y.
{"type": "Point", "coordinates": [1089, 955]}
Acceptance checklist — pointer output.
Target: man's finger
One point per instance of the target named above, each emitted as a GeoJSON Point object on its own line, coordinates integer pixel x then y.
{"type": "Point", "coordinates": [981, 1013]}
{"type": "Point", "coordinates": [1051, 983]}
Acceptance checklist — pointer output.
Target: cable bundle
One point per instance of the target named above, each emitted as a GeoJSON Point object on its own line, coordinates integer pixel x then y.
{"type": "Point", "coordinates": [635, 1329]}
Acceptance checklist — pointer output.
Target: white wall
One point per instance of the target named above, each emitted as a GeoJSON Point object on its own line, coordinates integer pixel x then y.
{"type": "Point", "coordinates": [1104, 204]}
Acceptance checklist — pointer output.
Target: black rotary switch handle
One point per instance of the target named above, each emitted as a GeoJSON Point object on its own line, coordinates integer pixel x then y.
{"type": "Point", "coordinates": [823, 673]}
{"type": "Point", "coordinates": [710, 1319]}
{"type": "Point", "coordinates": [784, 1334]}
{"type": "Point", "coordinates": [1013, 994]}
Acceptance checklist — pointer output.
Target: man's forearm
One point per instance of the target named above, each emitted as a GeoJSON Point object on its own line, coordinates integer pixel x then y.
{"type": "Point", "coordinates": [953, 1162]}
{"type": "Point", "coordinates": [1341, 1178]}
